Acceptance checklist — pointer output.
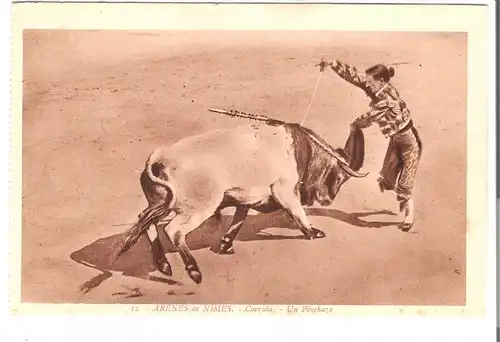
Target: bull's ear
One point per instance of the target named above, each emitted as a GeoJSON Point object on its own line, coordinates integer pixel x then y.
{"type": "Point", "coordinates": [355, 148]}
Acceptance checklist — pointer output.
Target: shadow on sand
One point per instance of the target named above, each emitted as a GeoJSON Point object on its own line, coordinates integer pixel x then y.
{"type": "Point", "coordinates": [138, 262]}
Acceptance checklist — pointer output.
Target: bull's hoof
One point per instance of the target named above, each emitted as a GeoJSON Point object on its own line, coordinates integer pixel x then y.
{"type": "Point", "coordinates": [226, 248]}
{"type": "Point", "coordinates": [194, 273]}
{"type": "Point", "coordinates": [226, 251]}
{"type": "Point", "coordinates": [164, 267]}
{"type": "Point", "coordinates": [222, 249]}
{"type": "Point", "coordinates": [226, 245]}
{"type": "Point", "coordinates": [316, 234]}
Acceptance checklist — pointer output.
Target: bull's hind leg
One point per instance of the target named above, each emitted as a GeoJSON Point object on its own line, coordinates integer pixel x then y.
{"type": "Point", "coordinates": [177, 230]}
{"type": "Point", "coordinates": [226, 242]}
{"type": "Point", "coordinates": [155, 195]}
{"type": "Point", "coordinates": [283, 193]}
{"type": "Point", "coordinates": [159, 257]}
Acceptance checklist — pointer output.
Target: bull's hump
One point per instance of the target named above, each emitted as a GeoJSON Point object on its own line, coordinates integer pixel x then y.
{"type": "Point", "coordinates": [239, 137]}
{"type": "Point", "coordinates": [264, 142]}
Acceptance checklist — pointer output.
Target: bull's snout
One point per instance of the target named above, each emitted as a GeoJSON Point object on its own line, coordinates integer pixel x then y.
{"type": "Point", "coordinates": [325, 201]}
{"type": "Point", "coordinates": [324, 198]}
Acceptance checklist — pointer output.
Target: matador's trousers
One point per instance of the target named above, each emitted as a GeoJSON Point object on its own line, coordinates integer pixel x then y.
{"type": "Point", "coordinates": [400, 163]}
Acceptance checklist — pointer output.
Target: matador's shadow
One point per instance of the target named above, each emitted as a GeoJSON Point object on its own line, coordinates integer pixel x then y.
{"type": "Point", "coordinates": [138, 262]}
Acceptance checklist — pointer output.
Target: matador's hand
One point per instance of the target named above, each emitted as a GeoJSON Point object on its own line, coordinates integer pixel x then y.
{"type": "Point", "coordinates": [359, 124]}
{"type": "Point", "coordinates": [323, 64]}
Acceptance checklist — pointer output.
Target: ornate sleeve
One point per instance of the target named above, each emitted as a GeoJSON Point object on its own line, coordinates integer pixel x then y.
{"type": "Point", "coordinates": [350, 74]}
{"type": "Point", "coordinates": [364, 120]}
{"type": "Point", "coordinates": [370, 117]}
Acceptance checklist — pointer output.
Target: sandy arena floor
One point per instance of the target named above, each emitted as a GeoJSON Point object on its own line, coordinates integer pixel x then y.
{"type": "Point", "coordinates": [97, 103]}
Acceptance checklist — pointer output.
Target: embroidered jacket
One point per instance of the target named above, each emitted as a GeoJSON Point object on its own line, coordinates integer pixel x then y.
{"type": "Point", "coordinates": [386, 106]}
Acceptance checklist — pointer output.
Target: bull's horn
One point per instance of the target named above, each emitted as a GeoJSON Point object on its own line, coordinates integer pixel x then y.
{"type": "Point", "coordinates": [353, 173]}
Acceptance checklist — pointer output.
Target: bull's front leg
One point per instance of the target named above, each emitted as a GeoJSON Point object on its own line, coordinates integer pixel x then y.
{"type": "Point", "coordinates": [226, 242]}
{"type": "Point", "coordinates": [284, 194]}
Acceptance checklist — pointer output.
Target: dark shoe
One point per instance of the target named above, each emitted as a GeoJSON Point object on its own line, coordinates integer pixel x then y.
{"type": "Point", "coordinates": [406, 226]}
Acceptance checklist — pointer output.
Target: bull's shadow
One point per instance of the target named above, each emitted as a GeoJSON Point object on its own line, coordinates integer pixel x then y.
{"type": "Point", "coordinates": [138, 262]}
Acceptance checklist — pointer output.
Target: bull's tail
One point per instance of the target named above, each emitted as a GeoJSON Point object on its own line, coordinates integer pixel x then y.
{"type": "Point", "coordinates": [150, 215]}
{"type": "Point", "coordinates": [154, 213]}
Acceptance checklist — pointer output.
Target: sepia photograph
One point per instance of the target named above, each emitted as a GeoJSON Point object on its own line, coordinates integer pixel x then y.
{"type": "Point", "coordinates": [244, 167]}
{"type": "Point", "coordinates": [258, 167]}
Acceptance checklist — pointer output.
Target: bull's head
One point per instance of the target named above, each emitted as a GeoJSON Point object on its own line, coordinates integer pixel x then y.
{"type": "Point", "coordinates": [328, 169]}
{"type": "Point", "coordinates": [354, 154]}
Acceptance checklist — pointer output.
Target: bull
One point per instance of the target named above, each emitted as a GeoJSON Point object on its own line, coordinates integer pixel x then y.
{"type": "Point", "coordinates": [194, 179]}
